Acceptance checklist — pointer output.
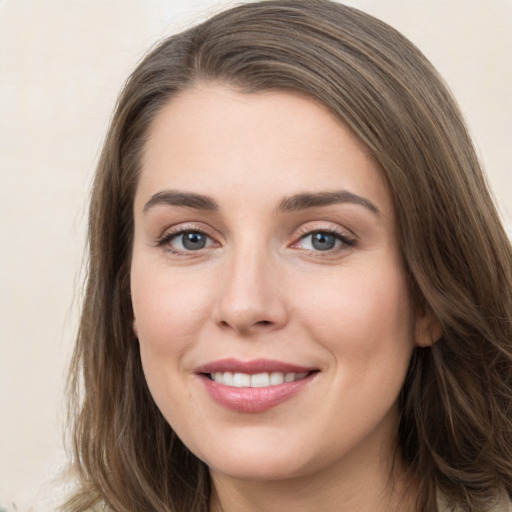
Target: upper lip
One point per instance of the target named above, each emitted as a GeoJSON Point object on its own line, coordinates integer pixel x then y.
{"type": "Point", "coordinates": [252, 367]}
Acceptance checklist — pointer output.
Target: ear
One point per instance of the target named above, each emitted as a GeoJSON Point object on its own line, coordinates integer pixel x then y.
{"type": "Point", "coordinates": [135, 331]}
{"type": "Point", "coordinates": [428, 329]}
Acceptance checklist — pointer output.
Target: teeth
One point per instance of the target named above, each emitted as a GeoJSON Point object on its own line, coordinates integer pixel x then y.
{"type": "Point", "coordinates": [276, 378]}
{"type": "Point", "coordinates": [260, 380]}
{"type": "Point", "coordinates": [289, 377]}
{"type": "Point", "coordinates": [257, 380]}
{"type": "Point", "coordinates": [241, 380]}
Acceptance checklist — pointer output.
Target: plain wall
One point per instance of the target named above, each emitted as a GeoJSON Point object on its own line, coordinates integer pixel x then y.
{"type": "Point", "coordinates": [62, 64]}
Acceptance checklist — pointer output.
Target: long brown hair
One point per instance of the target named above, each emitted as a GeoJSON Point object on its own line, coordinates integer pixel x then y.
{"type": "Point", "coordinates": [455, 429]}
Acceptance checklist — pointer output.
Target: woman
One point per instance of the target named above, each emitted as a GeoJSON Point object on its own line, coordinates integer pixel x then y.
{"type": "Point", "coordinates": [299, 293]}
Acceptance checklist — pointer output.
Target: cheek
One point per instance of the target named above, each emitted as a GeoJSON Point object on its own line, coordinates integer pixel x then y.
{"type": "Point", "coordinates": [169, 312]}
{"type": "Point", "coordinates": [169, 309]}
{"type": "Point", "coordinates": [364, 320]}
{"type": "Point", "coordinates": [363, 313]}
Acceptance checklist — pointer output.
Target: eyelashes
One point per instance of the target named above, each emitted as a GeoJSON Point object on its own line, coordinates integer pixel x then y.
{"type": "Point", "coordinates": [323, 240]}
{"type": "Point", "coordinates": [186, 240]}
{"type": "Point", "coordinates": [192, 241]}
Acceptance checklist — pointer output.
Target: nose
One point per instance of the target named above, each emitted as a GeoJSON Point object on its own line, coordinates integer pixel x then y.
{"type": "Point", "coordinates": [250, 298]}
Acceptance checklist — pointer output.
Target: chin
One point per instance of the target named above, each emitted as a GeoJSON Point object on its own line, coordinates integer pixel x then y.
{"type": "Point", "coordinates": [267, 470]}
{"type": "Point", "coordinates": [258, 460]}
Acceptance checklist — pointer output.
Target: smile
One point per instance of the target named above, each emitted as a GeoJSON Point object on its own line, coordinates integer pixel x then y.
{"type": "Point", "coordinates": [254, 386]}
{"type": "Point", "coordinates": [257, 380]}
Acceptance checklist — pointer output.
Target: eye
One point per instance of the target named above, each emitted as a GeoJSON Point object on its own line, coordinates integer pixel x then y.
{"type": "Point", "coordinates": [320, 241]}
{"type": "Point", "coordinates": [186, 241]}
{"type": "Point", "coordinates": [323, 241]}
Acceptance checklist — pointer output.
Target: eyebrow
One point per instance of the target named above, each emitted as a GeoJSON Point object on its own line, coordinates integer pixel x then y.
{"type": "Point", "coordinates": [313, 200]}
{"type": "Point", "coordinates": [183, 199]}
{"type": "Point", "coordinates": [293, 203]}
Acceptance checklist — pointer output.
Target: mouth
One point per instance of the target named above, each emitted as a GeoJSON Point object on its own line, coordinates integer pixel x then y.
{"type": "Point", "coordinates": [254, 386]}
{"type": "Point", "coordinates": [256, 380]}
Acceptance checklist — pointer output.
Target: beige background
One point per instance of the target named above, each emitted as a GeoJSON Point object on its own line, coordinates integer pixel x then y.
{"type": "Point", "coordinates": [62, 64]}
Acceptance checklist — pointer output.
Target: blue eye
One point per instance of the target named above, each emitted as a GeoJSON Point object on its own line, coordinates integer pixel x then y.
{"type": "Point", "coordinates": [188, 241]}
{"type": "Point", "coordinates": [193, 241]}
{"type": "Point", "coordinates": [324, 241]}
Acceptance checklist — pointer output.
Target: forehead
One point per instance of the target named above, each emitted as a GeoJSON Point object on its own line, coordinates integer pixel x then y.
{"type": "Point", "coordinates": [213, 138]}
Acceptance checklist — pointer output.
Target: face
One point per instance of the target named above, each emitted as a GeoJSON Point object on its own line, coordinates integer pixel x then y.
{"type": "Point", "coordinates": [272, 311]}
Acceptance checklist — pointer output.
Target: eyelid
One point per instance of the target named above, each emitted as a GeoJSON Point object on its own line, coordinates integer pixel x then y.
{"type": "Point", "coordinates": [174, 231]}
{"type": "Point", "coordinates": [347, 238]}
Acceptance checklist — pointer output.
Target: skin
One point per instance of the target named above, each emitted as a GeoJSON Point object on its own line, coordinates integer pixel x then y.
{"type": "Point", "coordinates": [261, 289]}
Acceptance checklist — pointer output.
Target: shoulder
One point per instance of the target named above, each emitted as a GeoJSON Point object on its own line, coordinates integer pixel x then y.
{"type": "Point", "coordinates": [502, 504]}
{"type": "Point", "coordinates": [505, 505]}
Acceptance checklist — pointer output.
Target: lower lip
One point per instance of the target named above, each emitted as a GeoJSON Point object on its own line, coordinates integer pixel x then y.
{"type": "Point", "coordinates": [254, 400]}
